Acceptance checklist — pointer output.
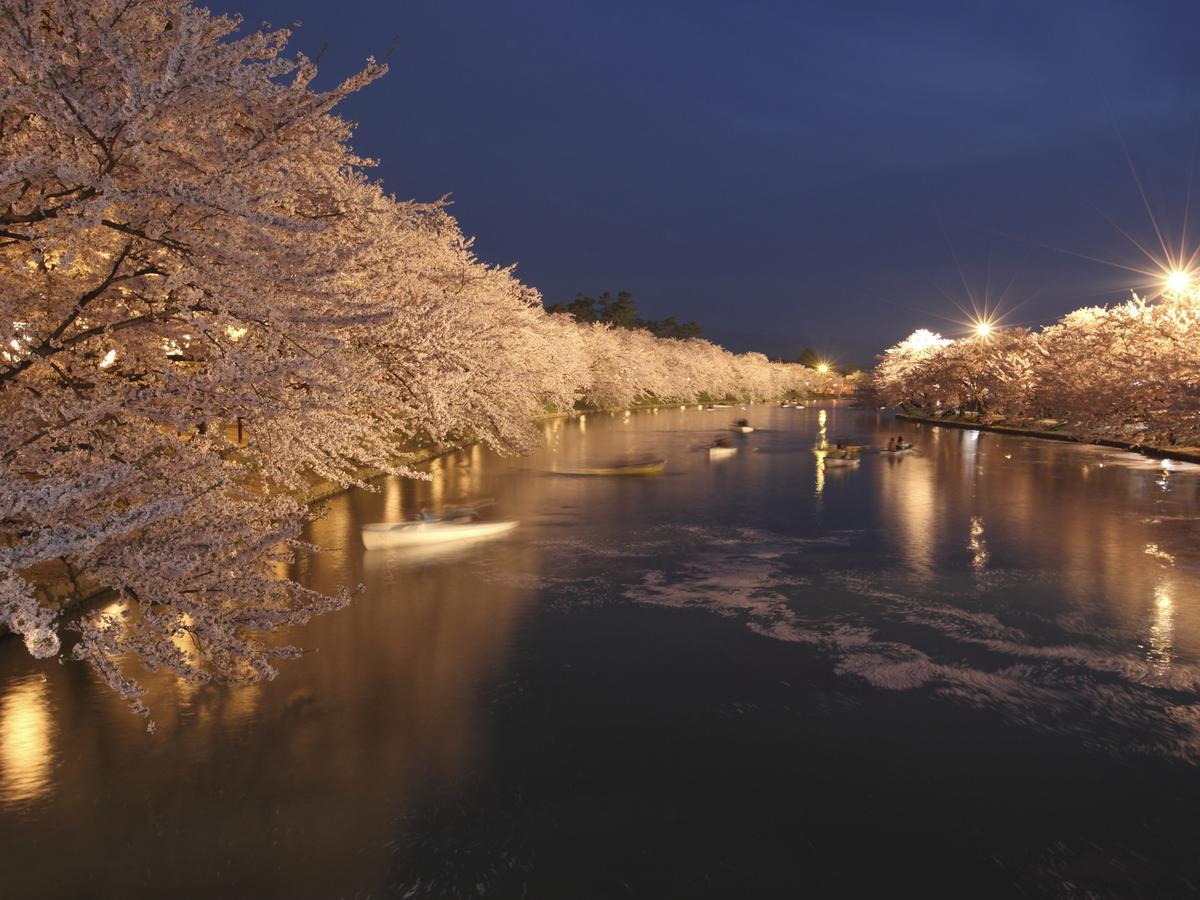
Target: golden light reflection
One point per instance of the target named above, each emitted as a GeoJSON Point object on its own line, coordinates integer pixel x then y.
{"type": "Point", "coordinates": [911, 498]}
{"type": "Point", "coordinates": [1162, 630]}
{"type": "Point", "coordinates": [26, 741]}
{"type": "Point", "coordinates": [977, 545]}
{"type": "Point", "coordinates": [393, 500]}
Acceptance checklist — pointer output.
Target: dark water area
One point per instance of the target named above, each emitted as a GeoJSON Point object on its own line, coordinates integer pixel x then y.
{"type": "Point", "coordinates": [969, 672]}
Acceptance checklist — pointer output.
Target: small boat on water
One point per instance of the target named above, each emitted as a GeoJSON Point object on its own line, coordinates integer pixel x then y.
{"type": "Point", "coordinates": [721, 452]}
{"type": "Point", "coordinates": [841, 462]}
{"type": "Point", "coordinates": [651, 467]}
{"type": "Point", "coordinates": [721, 406]}
{"type": "Point", "coordinates": [898, 451]}
{"type": "Point", "coordinates": [383, 535]}
{"type": "Point", "coordinates": [743, 426]}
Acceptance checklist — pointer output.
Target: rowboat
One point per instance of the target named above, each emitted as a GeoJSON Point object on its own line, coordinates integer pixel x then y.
{"type": "Point", "coordinates": [744, 429]}
{"type": "Point", "coordinates": [839, 462]}
{"type": "Point", "coordinates": [721, 452]}
{"type": "Point", "coordinates": [382, 535]}
{"type": "Point", "coordinates": [653, 467]}
{"type": "Point", "coordinates": [907, 448]}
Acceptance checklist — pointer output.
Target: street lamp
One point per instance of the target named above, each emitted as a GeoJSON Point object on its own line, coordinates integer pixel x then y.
{"type": "Point", "coordinates": [1179, 281]}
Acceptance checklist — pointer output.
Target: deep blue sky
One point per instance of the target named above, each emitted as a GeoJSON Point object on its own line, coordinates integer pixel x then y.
{"type": "Point", "coordinates": [786, 173]}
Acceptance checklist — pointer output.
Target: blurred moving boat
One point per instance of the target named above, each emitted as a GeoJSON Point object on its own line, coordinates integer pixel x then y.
{"type": "Point", "coordinates": [651, 467]}
{"type": "Point", "coordinates": [720, 449]}
{"type": "Point", "coordinates": [841, 462]}
{"type": "Point", "coordinates": [743, 425]}
{"type": "Point", "coordinates": [382, 535]}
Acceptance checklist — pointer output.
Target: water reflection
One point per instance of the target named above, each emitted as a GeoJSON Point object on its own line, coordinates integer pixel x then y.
{"type": "Point", "coordinates": [977, 546]}
{"type": "Point", "coordinates": [26, 740]}
{"type": "Point", "coordinates": [909, 501]}
{"type": "Point", "coordinates": [1162, 628]}
{"type": "Point", "coordinates": [1003, 577]}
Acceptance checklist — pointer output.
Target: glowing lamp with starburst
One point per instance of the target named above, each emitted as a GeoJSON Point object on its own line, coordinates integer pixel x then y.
{"type": "Point", "coordinates": [1179, 282]}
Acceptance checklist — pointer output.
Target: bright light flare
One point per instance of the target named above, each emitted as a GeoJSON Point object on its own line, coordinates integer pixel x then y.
{"type": "Point", "coordinates": [983, 329]}
{"type": "Point", "coordinates": [823, 368]}
{"type": "Point", "coordinates": [1179, 281]}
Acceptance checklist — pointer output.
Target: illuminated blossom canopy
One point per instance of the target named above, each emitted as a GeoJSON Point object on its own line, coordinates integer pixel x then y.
{"type": "Point", "coordinates": [189, 252]}
{"type": "Point", "coordinates": [1127, 370]}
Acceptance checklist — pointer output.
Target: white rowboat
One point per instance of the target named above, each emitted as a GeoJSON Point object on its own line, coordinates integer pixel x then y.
{"type": "Point", "coordinates": [721, 452]}
{"type": "Point", "coordinates": [382, 535]}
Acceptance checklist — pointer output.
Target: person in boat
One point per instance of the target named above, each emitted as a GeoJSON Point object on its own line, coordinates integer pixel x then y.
{"type": "Point", "coordinates": [742, 423]}
{"type": "Point", "coordinates": [891, 445]}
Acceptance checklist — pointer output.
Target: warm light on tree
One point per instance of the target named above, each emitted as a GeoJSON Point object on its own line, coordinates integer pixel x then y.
{"type": "Point", "coordinates": [160, 280]}
{"type": "Point", "coordinates": [1132, 369]}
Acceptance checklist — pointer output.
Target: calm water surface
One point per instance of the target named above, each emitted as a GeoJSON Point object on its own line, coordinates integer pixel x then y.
{"type": "Point", "coordinates": [969, 672]}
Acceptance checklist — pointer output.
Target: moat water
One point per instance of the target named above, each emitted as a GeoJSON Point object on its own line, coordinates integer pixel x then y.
{"type": "Point", "coordinates": [970, 671]}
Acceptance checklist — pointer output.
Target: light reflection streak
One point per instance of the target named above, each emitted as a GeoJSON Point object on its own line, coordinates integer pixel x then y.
{"type": "Point", "coordinates": [1162, 630]}
{"type": "Point", "coordinates": [26, 741]}
{"type": "Point", "coordinates": [978, 546]}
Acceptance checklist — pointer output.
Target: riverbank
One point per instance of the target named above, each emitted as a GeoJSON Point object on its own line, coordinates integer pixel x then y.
{"type": "Point", "coordinates": [62, 591]}
{"type": "Point", "coordinates": [1058, 433]}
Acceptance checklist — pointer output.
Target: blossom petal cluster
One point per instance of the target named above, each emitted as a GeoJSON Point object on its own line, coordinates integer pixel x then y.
{"type": "Point", "coordinates": [206, 305]}
{"type": "Point", "coordinates": [1126, 371]}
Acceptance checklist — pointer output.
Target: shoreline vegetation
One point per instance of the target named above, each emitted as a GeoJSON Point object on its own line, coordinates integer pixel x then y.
{"type": "Point", "coordinates": [54, 589]}
{"type": "Point", "coordinates": [1126, 375]}
{"type": "Point", "coordinates": [197, 325]}
{"type": "Point", "coordinates": [1055, 432]}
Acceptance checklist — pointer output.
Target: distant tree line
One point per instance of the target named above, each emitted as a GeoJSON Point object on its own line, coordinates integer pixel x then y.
{"type": "Point", "coordinates": [622, 312]}
{"type": "Point", "coordinates": [807, 357]}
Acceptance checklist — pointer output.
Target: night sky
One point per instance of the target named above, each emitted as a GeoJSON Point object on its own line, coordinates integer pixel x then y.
{"type": "Point", "coordinates": [788, 174]}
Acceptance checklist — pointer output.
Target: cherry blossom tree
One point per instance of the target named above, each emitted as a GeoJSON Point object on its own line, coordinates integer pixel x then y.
{"type": "Point", "coordinates": [179, 211]}
{"type": "Point", "coordinates": [1129, 369]}
{"type": "Point", "coordinates": [206, 305]}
